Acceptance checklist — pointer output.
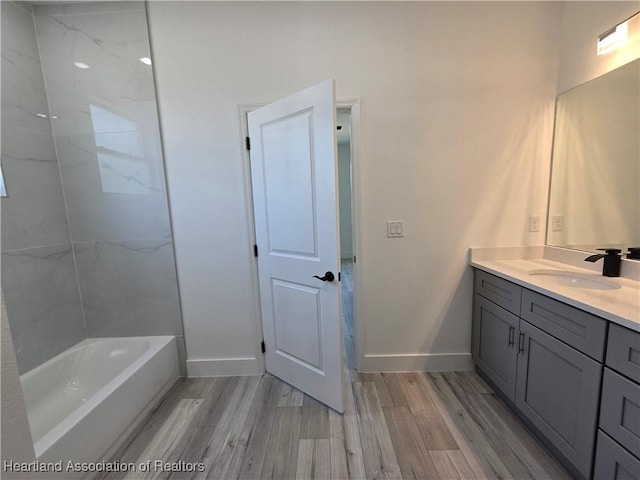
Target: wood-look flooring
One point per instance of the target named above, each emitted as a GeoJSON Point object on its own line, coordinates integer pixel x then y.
{"type": "Point", "coordinates": [395, 426]}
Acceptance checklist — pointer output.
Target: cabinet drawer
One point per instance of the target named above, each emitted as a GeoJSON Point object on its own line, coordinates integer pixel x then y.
{"type": "Point", "coordinates": [499, 291]}
{"type": "Point", "coordinates": [620, 410]}
{"type": "Point", "coordinates": [623, 351]}
{"type": "Point", "coordinates": [579, 329]}
{"type": "Point", "coordinates": [613, 462]}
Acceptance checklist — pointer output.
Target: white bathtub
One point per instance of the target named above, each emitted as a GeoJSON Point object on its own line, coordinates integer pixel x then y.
{"type": "Point", "coordinates": [83, 403]}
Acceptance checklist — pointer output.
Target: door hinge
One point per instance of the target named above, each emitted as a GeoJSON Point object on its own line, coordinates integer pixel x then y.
{"type": "Point", "coordinates": [354, 259]}
{"type": "Point", "coordinates": [262, 347]}
{"type": "Point", "coordinates": [248, 143]}
{"type": "Point", "coordinates": [255, 250]}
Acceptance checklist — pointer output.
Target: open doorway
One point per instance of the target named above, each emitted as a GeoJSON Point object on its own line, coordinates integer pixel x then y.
{"type": "Point", "coordinates": [345, 175]}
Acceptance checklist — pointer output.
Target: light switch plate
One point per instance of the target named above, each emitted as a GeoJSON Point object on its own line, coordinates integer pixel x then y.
{"type": "Point", "coordinates": [557, 223]}
{"type": "Point", "coordinates": [395, 229]}
{"type": "Point", "coordinates": [534, 223]}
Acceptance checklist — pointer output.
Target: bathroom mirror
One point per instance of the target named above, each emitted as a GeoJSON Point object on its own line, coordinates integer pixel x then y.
{"type": "Point", "coordinates": [594, 198]}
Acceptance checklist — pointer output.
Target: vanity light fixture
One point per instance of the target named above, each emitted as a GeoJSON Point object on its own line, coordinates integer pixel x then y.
{"type": "Point", "coordinates": [146, 60]}
{"type": "Point", "coordinates": [81, 65]}
{"type": "Point", "coordinates": [615, 37]}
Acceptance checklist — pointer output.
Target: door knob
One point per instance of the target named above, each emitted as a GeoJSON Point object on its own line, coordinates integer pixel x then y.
{"type": "Point", "coordinates": [328, 277]}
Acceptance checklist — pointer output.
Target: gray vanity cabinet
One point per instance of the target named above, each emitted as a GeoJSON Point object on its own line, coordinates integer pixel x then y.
{"type": "Point", "coordinates": [546, 358]}
{"type": "Point", "coordinates": [494, 344]}
{"type": "Point", "coordinates": [558, 389]}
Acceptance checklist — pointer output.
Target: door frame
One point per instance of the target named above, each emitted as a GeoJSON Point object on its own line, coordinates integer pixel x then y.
{"type": "Point", "coordinates": [356, 188]}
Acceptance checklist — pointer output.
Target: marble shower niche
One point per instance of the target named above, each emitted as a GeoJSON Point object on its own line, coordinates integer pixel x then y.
{"type": "Point", "coordinates": [89, 192]}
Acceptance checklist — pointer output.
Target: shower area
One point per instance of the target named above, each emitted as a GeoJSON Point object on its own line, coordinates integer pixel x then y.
{"type": "Point", "coordinates": [87, 247]}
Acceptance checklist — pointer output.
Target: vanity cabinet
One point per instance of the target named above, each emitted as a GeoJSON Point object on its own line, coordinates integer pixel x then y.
{"type": "Point", "coordinates": [546, 358]}
{"type": "Point", "coordinates": [618, 448]}
{"type": "Point", "coordinates": [495, 351]}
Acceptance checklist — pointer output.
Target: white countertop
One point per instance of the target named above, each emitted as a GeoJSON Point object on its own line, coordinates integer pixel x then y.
{"type": "Point", "coordinates": [621, 306]}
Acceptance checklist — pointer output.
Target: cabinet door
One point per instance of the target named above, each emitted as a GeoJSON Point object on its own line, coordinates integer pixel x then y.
{"type": "Point", "coordinates": [558, 391]}
{"type": "Point", "coordinates": [494, 346]}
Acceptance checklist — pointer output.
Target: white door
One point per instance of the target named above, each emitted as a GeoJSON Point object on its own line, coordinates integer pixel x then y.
{"type": "Point", "coordinates": [295, 199]}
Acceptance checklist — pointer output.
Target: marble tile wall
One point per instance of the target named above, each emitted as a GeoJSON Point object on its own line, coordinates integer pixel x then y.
{"type": "Point", "coordinates": [39, 278]}
{"type": "Point", "coordinates": [100, 89]}
{"type": "Point", "coordinates": [43, 304]}
{"type": "Point", "coordinates": [86, 240]}
{"type": "Point", "coordinates": [106, 125]}
{"type": "Point", "coordinates": [130, 287]}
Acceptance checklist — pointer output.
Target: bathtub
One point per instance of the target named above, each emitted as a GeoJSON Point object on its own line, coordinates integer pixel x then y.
{"type": "Point", "coordinates": [83, 403]}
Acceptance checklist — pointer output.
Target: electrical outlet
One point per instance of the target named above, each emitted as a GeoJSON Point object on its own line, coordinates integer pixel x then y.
{"type": "Point", "coordinates": [395, 229]}
{"type": "Point", "coordinates": [534, 223]}
{"type": "Point", "coordinates": [557, 223]}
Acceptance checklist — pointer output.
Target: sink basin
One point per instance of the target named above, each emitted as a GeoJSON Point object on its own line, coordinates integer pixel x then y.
{"type": "Point", "coordinates": [577, 280]}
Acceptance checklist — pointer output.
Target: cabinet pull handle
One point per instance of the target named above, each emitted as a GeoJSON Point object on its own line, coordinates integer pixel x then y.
{"type": "Point", "coordinates": [511, 332]}
{"type": "Point", "coordinates": [520, 342]}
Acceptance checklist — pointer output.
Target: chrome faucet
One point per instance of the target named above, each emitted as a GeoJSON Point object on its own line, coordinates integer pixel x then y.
{"type": "Point", "coordinates": [611, 267]}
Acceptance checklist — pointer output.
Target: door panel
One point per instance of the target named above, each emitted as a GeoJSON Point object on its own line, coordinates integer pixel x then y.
{"type": "Point", "coordinates": [295, 197]}
{"type": "Point", "coordinates": [289, 185]}
{"type": "Point", "coordinates": [298, 321]}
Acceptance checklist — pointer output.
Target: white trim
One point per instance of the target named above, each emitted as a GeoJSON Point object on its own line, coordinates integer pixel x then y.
{"type": "Point", "coordinates": [356, 199]}
{"type": "Point", "coordinates": [225, 367]}
{"type": "Point", "coordinates": [257, 335]}
{"type": "Point", "coordinates": [418, 362]}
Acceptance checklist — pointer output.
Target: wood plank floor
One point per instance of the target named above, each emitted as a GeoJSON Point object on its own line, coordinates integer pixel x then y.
{"type": "Point", "coordinates": [396, 426]}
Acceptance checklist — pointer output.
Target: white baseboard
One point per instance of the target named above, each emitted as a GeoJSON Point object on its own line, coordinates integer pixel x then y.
{"type": "Point", "coordinates": [223, 367]}
{"type": "Point", "coordinates": [417, 362]}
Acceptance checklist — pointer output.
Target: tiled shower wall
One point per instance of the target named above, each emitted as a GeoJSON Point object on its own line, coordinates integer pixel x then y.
{"type": "Point", "coordinates": [38, 273]}
{"type": "Point", "coordinates": [99, 87]}
{"type": "Point", "coordinates": [110, 157]}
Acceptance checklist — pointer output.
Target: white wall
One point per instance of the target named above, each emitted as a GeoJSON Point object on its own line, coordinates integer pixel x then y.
{"type": "Point", "coordinates": [457, 106]}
